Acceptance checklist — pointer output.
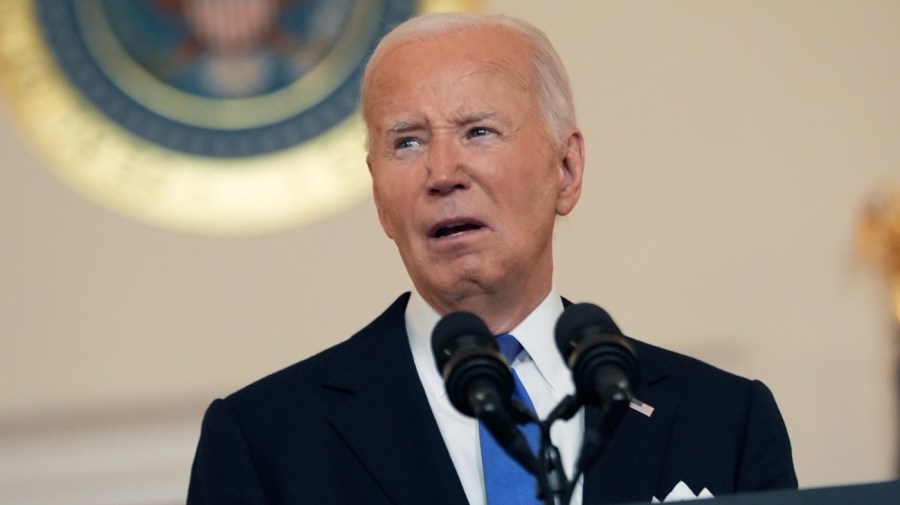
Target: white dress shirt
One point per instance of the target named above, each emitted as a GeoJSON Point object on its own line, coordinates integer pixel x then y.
{"type": "Point", "coordinates": [540, 368]}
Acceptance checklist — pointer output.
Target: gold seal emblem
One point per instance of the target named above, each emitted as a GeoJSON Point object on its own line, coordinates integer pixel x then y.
{"type": "Point", "coordinates": [211, 116]}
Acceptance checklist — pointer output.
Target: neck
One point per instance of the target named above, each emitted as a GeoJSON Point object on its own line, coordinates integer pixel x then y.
{"type": "Point", "coordinates": [500, 309]}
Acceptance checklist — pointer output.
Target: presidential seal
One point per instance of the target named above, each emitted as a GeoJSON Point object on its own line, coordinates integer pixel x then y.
{"type": "Point", "coordinates": [212, 116]}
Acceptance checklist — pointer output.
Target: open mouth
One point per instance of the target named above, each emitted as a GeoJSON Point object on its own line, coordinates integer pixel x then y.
{"type": "Point", "coordinates": [449, 229]}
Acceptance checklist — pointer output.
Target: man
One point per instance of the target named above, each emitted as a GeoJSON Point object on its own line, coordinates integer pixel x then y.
{"type": "Point", "coordinates": [473, 152]}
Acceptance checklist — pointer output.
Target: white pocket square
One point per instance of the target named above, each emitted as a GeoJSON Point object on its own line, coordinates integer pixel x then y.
{"type": "Point", "coordinates": [681, 492]}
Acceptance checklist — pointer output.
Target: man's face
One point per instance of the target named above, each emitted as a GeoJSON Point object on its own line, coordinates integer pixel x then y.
{"type": "Point", "coordinates": [467, 180]}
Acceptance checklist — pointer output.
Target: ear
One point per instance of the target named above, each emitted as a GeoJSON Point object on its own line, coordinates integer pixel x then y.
{"type": "Point", "coordinates": [377, 197]}
{"type": "Point", "coordinates": [571, 166]}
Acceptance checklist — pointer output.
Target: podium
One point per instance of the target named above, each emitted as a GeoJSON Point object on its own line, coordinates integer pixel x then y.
{"type": "Point", "coordinates": [881, 493]}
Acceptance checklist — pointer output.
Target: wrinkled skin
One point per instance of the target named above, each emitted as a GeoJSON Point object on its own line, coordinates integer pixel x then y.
{"type": "Point", "coordinates": [467, 180]}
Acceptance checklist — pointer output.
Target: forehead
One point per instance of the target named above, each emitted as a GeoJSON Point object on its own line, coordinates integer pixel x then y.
{"type": "Point", "coordinates": [498, 53]}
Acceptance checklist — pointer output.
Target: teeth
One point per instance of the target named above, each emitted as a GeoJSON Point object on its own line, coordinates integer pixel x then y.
{"type": "Point", "coordinates": [456, 228]}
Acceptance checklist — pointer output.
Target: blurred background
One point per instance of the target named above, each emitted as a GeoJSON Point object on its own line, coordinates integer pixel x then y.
{"type": "Point", "coordinates": [732, 148]}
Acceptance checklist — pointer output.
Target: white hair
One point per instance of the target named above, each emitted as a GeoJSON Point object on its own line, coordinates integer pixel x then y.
{"type": "Point", "coordinates": [554, 92]}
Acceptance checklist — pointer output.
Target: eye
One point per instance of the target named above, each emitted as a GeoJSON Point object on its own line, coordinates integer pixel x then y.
{"type": "Point", "coordinates": [405, 142]}
{"type": "Point", "coordinates": [479, 131]}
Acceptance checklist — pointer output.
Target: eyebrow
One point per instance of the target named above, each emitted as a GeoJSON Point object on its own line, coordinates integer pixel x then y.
{"type": "Point", "coordinates": [402, 127]}
{"type": "Point", "coordinates": [478, 116]}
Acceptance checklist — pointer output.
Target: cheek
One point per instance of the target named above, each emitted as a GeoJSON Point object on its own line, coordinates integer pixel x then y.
{"type": "Point", "coordinates": [536, 205]}
{"type": "Point", "coordinates": [394, 209]}
{"type": "Point", "coordinates": [382, 205]}
{"type": "Point", "coordinates": [536, 190]}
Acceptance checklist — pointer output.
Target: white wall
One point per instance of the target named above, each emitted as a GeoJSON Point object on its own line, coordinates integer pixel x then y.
{"type": "Point", "coordinates": [731, 146]}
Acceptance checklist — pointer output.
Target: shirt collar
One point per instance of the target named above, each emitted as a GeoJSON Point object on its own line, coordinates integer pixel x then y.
{"type": "Point", "coordinates": [535, 333]}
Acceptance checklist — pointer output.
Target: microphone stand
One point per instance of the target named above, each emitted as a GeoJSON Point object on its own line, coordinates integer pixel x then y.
{"type": "Point", "coordinates": [553, 486]}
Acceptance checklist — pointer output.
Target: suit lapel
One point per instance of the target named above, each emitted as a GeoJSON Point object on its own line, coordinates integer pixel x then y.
{"type": "Point", "coordinates": [383, 416]}
{"type": "Point", "coordinates": [632, 465]}
{"type": "Point", "coordinates": [386, 421]}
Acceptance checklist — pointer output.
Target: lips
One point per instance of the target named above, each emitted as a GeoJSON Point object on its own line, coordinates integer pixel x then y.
{"type": "Point", "coordinates": [453, 227]}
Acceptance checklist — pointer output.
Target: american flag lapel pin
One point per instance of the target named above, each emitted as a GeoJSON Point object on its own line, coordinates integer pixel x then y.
{"type": "Point", "coordinates": [641, 407]}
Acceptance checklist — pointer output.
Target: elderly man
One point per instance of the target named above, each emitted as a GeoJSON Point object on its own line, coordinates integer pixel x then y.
{"type": "Point", "coordinates": [473, 152]}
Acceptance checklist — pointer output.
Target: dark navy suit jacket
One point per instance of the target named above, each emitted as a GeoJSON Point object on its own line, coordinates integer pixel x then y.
{"type": "Point", "coordinates": [352, 426]}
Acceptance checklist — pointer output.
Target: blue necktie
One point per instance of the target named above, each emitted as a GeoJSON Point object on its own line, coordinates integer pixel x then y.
{"type": "Point", "coordinates": [505, 481]}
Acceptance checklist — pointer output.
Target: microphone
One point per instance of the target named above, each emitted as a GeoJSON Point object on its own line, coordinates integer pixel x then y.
{"type": "Point", "coordinates": [604, 368]}
{"type": "Point", "coordinates": [476, 375]}
{"type": "Point", "coordinates": [478, 380]}
{"type": "Point", "coordinates": [603, 363]}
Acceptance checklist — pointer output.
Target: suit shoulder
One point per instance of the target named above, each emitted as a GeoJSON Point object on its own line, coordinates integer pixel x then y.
{"type": "Point", "coordinates": [658, 361]}
{"type": "Point", "coordinates": [343, 363]}
{"type": "Point", "coordinates": [697, 382]}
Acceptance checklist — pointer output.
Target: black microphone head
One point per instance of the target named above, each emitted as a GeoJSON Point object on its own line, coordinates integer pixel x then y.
{"type": "Point", "coordinates": [603, 363]}
{"type": "Point", "coordinates": [579, 321]}
{"type": "Point", "coordinates": [467, 357]}
{"type": "Point", "coordinates": [455, 330]}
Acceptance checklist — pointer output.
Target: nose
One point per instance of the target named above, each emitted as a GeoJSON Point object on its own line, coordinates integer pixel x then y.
{"type": "Point", "coordinates": [445, 167]}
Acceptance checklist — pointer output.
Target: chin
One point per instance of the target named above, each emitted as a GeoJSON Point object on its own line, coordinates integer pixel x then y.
{"type": "Point", "coordinates": [470, 285]}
